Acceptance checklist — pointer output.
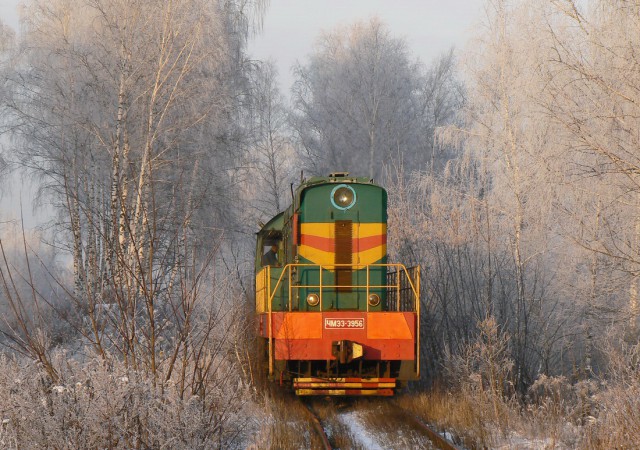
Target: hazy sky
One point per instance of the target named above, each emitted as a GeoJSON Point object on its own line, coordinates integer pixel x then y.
{"type": "Point", "coordinates": [8, 12]}
{"type": "Point", "coordinates": [430, 27]}
{"type": "Point", "coordinates": [291, 27]}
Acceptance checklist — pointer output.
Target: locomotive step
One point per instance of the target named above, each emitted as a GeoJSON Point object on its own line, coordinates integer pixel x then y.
{"type": "Point", "coordinates": [344, 386]}
{"type": "Point", "coordinates": [346, 392]}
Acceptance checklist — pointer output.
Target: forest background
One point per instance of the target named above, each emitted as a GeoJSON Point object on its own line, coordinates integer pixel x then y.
{"type": "Point", "coordinates": [513, 176]}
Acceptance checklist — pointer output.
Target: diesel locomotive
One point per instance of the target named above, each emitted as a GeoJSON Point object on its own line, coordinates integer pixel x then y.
{"type": "Point", "coordinates": [334, 316]}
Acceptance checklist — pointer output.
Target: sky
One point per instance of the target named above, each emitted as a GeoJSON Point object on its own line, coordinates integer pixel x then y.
{"type": "Point", "coordinates": [9, 13]}
{"type": "Point", "coordinates": [430, 27]}
{"type": "Point", "coordinates": [290, 28]}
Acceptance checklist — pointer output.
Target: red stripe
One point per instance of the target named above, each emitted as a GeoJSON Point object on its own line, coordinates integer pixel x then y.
{"type": "Point", "coordinates": [296, 230]}
{"type": "Point", "coordinates": [367, 243]}
{"type": "Point", "coordinates": [319, 243]}
{"type": "Point", "coordinates": [328, 244]}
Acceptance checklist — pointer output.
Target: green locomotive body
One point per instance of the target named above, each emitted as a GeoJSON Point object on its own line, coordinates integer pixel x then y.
{"type": "Point", "coordinates": [330, 307]}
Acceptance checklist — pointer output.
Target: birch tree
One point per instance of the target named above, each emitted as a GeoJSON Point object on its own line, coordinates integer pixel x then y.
{"type": "Point", "coordinates": [507, 143]}
{"type": "Point", "coordinates": [7, 44]}
{"type": "Point", "coordinates": [270, 151]}
{"type": "Point", "coordinates": [124, 109]}
{"type": "Point", "coordinates": [593, 82]}
{"type": "Point", "coordinates": [357, 100]}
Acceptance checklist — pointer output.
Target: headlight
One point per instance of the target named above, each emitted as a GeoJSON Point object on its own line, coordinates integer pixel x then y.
{"type": "Point", "coordinates": [374, 299]}
{"type": "Point", "coordinates": [313, 299]}
{"type": "Point", "coordinates": [343, 196]}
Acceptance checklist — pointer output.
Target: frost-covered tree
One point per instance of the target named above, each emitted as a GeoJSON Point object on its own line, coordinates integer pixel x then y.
{"type": "Point", "coordinates": [126, 110]}
{"type": "Point", "coordinates": [594, 98]}
{"type": "Point", "coordinates": [7, 43]}
{"type": "Point", "coordinates": [506, 144]}
{"type": "Point", "coordinates": [358, 101]}
{"type": "Point", "coordinates": [444, 96]}
{"type": "Point", "coordinates": [270, 151]}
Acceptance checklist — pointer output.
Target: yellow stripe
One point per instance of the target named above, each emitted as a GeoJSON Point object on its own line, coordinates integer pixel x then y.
{"type": "Point", "coordinates": [347, 385]}
{"type": "Point", "coordinates": [328, 258]}
{"type": "Point", "coordinates": [318, 229]}
{"type": "Point", "coordinates": [316, 256]}
{"type": "Point", "coordinates": [371, 229]}
{"type": "Point", "coordinates": [338, 392]}
{"type": "Point", "coordinates": [313, 392]}
{"type": "Point", "coordinates": [361, 230]}
{"type": "Point", "coordinates": [261, 291]}
{"type": "Point", "coordinates": [340, 380]}
{"type": "Point", "coordinates": [370, 256]}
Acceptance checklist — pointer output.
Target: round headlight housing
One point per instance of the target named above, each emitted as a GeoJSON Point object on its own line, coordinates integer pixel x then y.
{"type": "Point", "coordinates": [313, 299]}
{"type": "Point", "coordinates": [374, 299]}
{"type": "Point", "coordinates": [343, 197]}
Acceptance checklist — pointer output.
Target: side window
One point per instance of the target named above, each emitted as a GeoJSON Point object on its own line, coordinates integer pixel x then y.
{"type": "Point", "coordinates": [272, 251]}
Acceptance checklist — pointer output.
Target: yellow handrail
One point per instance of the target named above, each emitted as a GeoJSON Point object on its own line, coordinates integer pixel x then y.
{"type": "Point", "coordinates": [400, 268]}
{"type": "Point", "coordinates": [368, 287]}
{"type": "Point", "coordinates": [268, 275]}
{"type": "Point", "coordinates": [418, 322]}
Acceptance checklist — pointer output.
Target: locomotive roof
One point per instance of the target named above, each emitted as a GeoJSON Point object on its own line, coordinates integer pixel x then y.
{"type": "Point", "coordinates": [335, 178]}
{"type": "Point", "coordinates": [275, 223]}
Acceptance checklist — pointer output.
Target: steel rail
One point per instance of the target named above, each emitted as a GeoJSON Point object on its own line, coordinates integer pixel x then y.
{"type": "Point", "coordinates": [436, 438]}
{"type": "Point", "coordinates": [317, 426]}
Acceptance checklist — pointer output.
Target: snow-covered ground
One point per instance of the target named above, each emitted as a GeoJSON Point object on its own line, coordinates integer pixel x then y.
{"type": "Point", "coordinates": [360, 433]}
{"type": "Point", "coordinates": [376, 425]}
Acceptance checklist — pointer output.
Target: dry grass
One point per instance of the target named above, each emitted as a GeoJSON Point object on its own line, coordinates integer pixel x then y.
{"type": "Point", "coordinates": [617, 424]}
{"type": "Point", "coordinates": [473, 421]}
{"type": "Point", "coordinates": [284, 425]}
{"type": "Point", "coordinates": [560, 415]}
{"type": "Point", "coordinates": [288, 425]}
{"type": "Point", "coordinates": [454, 413]}
{"type": "Point", "coordinates": [480, 406]}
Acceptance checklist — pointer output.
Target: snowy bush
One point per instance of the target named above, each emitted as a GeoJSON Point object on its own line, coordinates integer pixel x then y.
{"type": "Point", "coordinates": [615, 422]}
{"type": "Point", "coordinates": [98, 405]}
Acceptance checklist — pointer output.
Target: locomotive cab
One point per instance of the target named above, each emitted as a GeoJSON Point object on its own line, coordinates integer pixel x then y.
{"type": "Point", "coordinates": [337, 318]}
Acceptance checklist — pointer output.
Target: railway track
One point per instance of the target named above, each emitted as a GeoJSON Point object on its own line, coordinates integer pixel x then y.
{"type": "Point", "coordinates": [370, 423]}
{"type": "Point", "coordinates": [437, 440]}
{"type": "Point", "coordinates": [317, 425]}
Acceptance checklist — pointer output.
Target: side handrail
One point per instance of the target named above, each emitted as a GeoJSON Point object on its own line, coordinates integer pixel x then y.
{"type": "Point", "coordinates": [268, 284]}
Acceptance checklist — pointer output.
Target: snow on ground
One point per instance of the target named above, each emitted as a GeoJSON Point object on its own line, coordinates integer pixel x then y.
{"type": "Point", "coordinates": [516, 442]}
{"type": "Point", "coordinates": [358, 430]}
{"type": "Point", "coordinates": [393, 433]}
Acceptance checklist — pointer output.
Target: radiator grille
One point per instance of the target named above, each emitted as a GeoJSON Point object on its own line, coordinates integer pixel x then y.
{"type": "Point", "coordinates": [344, 253]}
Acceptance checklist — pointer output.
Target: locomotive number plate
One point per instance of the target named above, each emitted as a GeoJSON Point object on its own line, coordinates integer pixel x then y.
{"type": "Point", "coordinates": [338, 324]}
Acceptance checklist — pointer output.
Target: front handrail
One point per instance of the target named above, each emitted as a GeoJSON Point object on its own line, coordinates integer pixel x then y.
{"type": "Point", "coordinates": [288, 270]}
{"type": "Point", "coordinates": [270, 289]}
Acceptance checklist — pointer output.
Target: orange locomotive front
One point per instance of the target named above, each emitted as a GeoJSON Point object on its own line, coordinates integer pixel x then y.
{"type": "Point", "coordinates": [334, 316]}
